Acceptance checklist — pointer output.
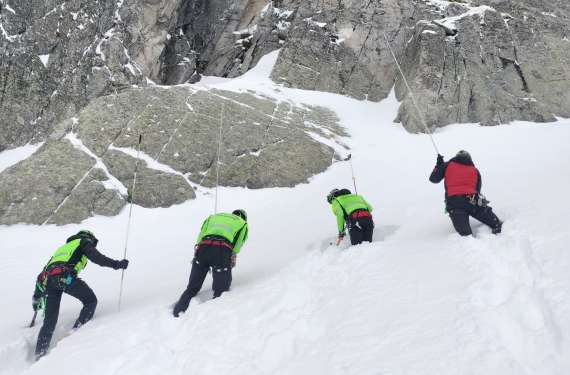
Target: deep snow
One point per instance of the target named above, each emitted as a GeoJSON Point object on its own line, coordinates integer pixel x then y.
{"type": "Point", "coordinates": [419, 300]}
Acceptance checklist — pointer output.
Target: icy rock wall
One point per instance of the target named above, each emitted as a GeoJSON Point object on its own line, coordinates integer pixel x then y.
{"type": "Point", "coordinates": [482, 61]}
{"type": "Point", "coordinates": [487, 61]}
{"type": "Point", "coordinates": [58, 55]}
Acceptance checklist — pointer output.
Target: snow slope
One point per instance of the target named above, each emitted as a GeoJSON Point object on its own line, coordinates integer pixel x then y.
{"type": "Point", "coordinates": [419, 300]}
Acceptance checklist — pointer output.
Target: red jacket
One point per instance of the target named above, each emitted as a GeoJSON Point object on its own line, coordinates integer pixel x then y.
{"type": "Point", "coordinates": [460, 179]}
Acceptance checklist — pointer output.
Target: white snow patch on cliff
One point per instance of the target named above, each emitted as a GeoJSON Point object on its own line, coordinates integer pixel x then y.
{"type": "Point", "coordinates": [11, 157]}
{"type": "Point", "coordinates": [44, 59]}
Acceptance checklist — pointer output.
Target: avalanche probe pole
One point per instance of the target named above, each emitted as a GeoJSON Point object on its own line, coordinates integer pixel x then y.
{"type": "Point", "coordinates": [349, 159]}
{"type": "Point", "coordinates": [218, 156]}
{"type": "Point", "coordinates": [132, 196]}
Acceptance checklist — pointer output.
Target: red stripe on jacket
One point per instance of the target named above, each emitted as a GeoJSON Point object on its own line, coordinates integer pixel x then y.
{"type": "Point", "coordinates": [460, 179]}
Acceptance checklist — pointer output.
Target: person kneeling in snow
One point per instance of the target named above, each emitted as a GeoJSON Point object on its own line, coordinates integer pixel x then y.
{"type": "Point", "coordinates": [218, 244]}
{"type": "Point", "coordinates": [463, 193]}
{"type": "Point", "coordinates": [60, 276]}
{"type": "Point", "coordinates": [353, 211]}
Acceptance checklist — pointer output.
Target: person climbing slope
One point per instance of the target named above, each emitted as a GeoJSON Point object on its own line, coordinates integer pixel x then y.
{"type": "Point", "coordinates": [220, 240]}
{"type": "Point", "coordinates": [60, 275]}
{"type": "Point", "coordinates": [354, 212]}
{"type": "Point", "coordinates": [463, 196]}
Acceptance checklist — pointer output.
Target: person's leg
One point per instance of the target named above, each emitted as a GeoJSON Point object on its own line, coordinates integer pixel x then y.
{"type": "Point", "coordinates": [53, 300]}
{"type": "Point", "coordinates": [197, 277]}
{"type": "Point", "coordinates": [80, 290]}
{"type": "Point", "coordinates": [222, 272]}
{"type": "Point", "coordinates": [367, 228]}
{"type": "Point", "coordinates": [356, 234]}
{"type": "Point", "coordinates": [460, 220]}
{"type": "Point", "coordinates": [488, 217]}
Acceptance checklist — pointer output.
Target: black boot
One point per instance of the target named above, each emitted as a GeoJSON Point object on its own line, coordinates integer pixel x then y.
{"type": "Point", "coordinates": [497, 228]}
{"type": "Point", "coordinates": [178, 309]}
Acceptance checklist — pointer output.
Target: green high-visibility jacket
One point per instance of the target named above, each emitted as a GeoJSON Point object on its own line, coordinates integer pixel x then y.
{"type": "Point", "coordinates": [229, 226]}
{"type": "Point", "coordinates": [344, 205]}
{"type": "Point", "coordinates": [66, 252]}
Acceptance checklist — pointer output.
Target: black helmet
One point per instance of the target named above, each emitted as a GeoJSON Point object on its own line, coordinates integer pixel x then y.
{"type": "Point", "coordinates": [463, 154]}
{"type": "Point", "coordinates": [337, 193]}
{"type": "Point", "coordinates": [332, 195]}
{"type": "Point", "coordinates": [87, 234]}
{"type": "Point", "coordinates": [241, 213]}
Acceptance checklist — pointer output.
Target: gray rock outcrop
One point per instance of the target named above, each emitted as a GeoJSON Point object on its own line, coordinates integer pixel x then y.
{"type": "Point", "coordinates": [221, 38]}
{"type": "Point", "coordinates": [264, 143]}
{"type": "Point", "coordinates": [58, 55]}
{"type": "Point", "coordinates": [153, 188]}
{"type": "Point", "coordinates": [491, 61]}
{"type": "Point", "coordinates": [87, 166]}
{"type": "Point", "coordinates": [58, 184]}
{"type": "Point", "coordinates": [483, 61]}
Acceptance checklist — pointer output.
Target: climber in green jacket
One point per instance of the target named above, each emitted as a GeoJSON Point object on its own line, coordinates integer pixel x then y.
{"type": "Point", "coordinates": [354, 212]}
{"type": "Point", "coordinates": [218, 244]}
{"type": "Point", "coordinates": [60, 275]}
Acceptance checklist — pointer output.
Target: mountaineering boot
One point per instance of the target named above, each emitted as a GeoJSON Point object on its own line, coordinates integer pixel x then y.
{"type": "Point", "coordinates": [39, 355]}
{"type": "Point", "coordinates": [497, 229]}
{"type": "Point", "coordinates": [177, 310]}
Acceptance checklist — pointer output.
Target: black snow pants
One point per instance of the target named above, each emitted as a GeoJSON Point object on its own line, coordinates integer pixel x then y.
{"type": "Point", "coordinates": [460, 209]}
{"type": "Point", "coordinates": [360, 229]}
{"type": "Point", "coordinates": [54, 291]}
{"type": "Point", "coordinates": [215, 257]}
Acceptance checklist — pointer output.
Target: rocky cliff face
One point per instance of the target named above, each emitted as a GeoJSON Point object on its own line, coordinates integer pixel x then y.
{"type": "Point", "coordinates": [59, 55]}
{"type": "Point", "coordinates": [487, 61]}
{"type": "Point", "coordinates": [97, 61]}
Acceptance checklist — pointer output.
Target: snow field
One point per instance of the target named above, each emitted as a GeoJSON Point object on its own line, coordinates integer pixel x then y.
{"type": "Point", "coordinates": [419, 300]}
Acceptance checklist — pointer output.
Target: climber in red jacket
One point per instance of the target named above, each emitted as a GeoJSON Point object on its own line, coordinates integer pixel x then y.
{"type": "Point", "coordinates": [463, 193]}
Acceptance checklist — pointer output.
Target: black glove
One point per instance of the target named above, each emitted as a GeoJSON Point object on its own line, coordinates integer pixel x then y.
{"type": "Point", "coordinates": [439, 159]}
{"type": "Point", "coordinates": [121, 264]}
{"type": "Point", "coordinates": [36, 303]}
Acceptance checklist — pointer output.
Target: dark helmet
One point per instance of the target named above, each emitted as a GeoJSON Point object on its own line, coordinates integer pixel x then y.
{"type": "Point", "coordinates": [336, 193]}
{"type": "Point", "coordinates": [241, 213]}
{"type": "Point", "coordinates": [464, 155]}
{"type": "Point", "coordinates": [88, 235]}
{"type": "Point", "coordinates": [332, 195]}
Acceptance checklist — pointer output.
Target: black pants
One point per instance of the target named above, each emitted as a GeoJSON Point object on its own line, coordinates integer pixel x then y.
{"type": "Point", "coordinates": [54, 290]}
{"type": "Point", "coordinates": [460, 209]}
{"type": "Point", "coordinates": [360, 230]}
{"type": "Point", "coordinates": [218, 258]}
